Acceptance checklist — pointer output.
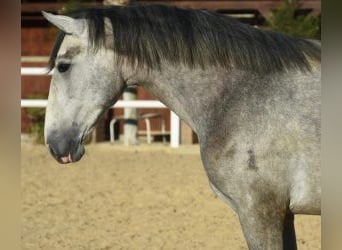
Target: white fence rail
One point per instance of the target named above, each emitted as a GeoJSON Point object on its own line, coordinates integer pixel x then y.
{"type": "Point", "coordinates": [34, 71]}
{"type": "Point", "coordinates": [174, 124]}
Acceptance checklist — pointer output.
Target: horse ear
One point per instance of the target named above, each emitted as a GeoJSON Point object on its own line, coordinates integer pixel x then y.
{"type": "Point", "coordinates": [67, 24]}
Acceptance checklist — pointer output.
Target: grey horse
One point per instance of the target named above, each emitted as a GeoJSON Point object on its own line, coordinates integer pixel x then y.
{"type": "Point", "coordinates": [252, 97]}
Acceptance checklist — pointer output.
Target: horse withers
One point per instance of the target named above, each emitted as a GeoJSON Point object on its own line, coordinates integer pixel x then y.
{"type": "Point", "coordinates": [252, 97]}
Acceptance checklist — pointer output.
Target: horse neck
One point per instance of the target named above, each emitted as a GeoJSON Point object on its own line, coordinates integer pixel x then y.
{"type": "Point", "coordinates": [190, 93]}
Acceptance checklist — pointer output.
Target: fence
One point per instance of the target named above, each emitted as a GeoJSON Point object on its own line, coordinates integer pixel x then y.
{"type": "Point", "coordinates": [174, 124]}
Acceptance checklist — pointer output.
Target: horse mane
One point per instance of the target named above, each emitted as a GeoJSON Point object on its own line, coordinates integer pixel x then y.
{"type": "Point", "coordinates": [146, 35]}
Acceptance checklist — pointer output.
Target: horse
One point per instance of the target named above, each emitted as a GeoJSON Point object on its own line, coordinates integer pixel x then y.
{"type": "Point", "coordinates": [252, 97]}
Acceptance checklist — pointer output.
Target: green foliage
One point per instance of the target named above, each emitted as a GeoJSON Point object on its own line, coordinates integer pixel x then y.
{"type": "Point", "coordinates": [37, 129]}
{"type": "Point", "coordinates": [71, 5]}
{"type": "Point", "coordinates": [37, 116]}
{"type": "Point", "coordinates": [286, 20]}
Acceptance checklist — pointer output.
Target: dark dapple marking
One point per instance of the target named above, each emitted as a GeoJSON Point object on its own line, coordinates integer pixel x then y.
{"type": "Point", "coordinates": [251, 160]}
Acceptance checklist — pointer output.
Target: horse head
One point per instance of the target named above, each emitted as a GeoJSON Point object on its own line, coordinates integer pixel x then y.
{"type": "Point", "coordinates": [84, 84]}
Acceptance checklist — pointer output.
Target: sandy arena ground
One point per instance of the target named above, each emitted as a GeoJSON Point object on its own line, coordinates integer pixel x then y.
{"type": "Point", "coordinates": [143, 197]}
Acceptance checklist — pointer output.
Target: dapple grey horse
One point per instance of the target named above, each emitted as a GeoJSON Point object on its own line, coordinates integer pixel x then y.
{"type": "Point", "coordinates": [252, 97]}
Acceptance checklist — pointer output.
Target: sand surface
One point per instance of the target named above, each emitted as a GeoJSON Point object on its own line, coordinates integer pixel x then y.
{"type": "Point", "coordinates": [143, 197]}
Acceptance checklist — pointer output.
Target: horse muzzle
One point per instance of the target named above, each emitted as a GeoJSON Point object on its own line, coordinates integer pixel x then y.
{"type": "Point", "coordinates": [66, 147]}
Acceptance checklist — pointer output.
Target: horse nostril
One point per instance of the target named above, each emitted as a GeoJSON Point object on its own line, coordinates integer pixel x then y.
{"type": "Point", "coordinates": [64, 146]}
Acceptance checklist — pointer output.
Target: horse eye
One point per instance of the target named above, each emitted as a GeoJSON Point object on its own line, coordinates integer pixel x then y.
{"type": "Point", "coordinates": [63, 67]}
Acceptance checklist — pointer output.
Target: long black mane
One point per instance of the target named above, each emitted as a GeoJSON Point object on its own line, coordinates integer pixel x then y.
{"type": "Point", "coordinates": [147, 35]}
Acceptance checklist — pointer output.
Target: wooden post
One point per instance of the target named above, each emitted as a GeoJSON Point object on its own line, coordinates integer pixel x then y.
{"type": "Point", "coordinates": [186, 134]}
